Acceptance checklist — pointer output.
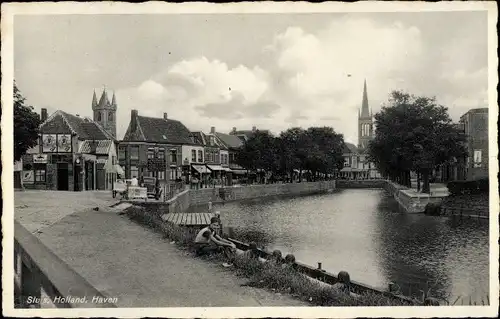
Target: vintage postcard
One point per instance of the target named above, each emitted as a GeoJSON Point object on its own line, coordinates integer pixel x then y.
{"type": "Point", "coordinates": [246, 160]}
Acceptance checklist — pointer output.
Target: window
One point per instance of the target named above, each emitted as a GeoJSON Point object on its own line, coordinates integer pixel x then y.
{"type": "Point", "coordinates": [200, 156]}
{"type": "Point", "coordinates": [161, 175]}
{"type": "Point", "coordinates": [151, 153]}
{"type": "Point", "coordinates": [477, 156]}
{"type": "Point", "coordinates": [173, 156]}
{"type": "Point", "coordinates": [110, 116]}
{"type": "Point", "coordinates": [99, 116]}
{"type": "Point", "coordinates": [217, 157]}
{"type": "Point", "coordinates": [40, 175]}
{"type": "Point", "coordinates": [212, 141]}
{"type": "Point", "coordinates": [172, 174]}
{"type": "Point", "coordinates": [122, 153]}
{"type": "Point", "coordinates": [161, 153]}
{"type": "Point", "coordinates": [134, 152]}
{"type": "Point", "coordinates": [207, 157]}
{"type": "Point", "coordinates": [193, 155]}
{"type": "Point", "coordinates": [134, 172]}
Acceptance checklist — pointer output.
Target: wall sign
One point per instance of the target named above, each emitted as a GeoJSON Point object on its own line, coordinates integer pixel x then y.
{"type": "Point", "coordinates": [40, 158]}
{"type": "Point", "coordinates": [49, 143]}
{"type": "Point", "coordinates": [28, 177]}
{"type": "Point", "coordinates": [64, 143]}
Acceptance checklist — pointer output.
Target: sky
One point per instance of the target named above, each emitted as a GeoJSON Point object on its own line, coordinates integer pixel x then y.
{"type": "Point", "coordinates": [272, 71]}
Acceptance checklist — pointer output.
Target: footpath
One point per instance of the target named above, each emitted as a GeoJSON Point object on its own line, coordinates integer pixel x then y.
{"type": "Point", "coordinates": [127, 261]}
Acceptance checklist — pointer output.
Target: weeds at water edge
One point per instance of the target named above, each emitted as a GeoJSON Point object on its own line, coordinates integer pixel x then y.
{"type": "Point", "coordinates": [266, 275]}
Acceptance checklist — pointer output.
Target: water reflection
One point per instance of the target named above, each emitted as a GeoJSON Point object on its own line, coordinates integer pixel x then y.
{"type": "Point", "coordinates": [363, 232]}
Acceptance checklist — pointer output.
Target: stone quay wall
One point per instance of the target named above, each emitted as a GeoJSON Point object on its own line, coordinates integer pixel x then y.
{"type": "Point", "coordinates": [364, 183]}
{"type": "Point", "coordinates": [199, 197]}
{"type": "Point", "coordinates": [410, 201]}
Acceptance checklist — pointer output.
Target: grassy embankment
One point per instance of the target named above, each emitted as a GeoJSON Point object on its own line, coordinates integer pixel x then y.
{"type": "Point", "coordinates": [267, 275]}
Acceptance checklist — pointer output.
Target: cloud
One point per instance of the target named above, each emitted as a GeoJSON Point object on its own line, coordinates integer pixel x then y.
{"type": "Point", "coordinates": [306, 79]}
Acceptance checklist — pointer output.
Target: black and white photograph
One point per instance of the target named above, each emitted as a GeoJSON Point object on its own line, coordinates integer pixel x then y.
{"type": "Point", "coordinates": [202, 160]}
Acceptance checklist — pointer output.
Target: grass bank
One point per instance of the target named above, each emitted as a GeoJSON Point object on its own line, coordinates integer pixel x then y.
{"type": "Point", "coordinates": [276, 277]}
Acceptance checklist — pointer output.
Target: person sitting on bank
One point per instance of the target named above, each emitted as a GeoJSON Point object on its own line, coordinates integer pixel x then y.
{"type": "Point", "coordinates": [208, 242]}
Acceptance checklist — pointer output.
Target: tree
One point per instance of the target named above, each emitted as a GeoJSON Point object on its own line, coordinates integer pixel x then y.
{"type": "Point", "coordinates": [26, 123]}
{"type": "Point", "coordinates": [414, 134]}
{"type": "Point", "coordinates": [324, 150]}
{"type": "Point", "coordinates": [259, 152]}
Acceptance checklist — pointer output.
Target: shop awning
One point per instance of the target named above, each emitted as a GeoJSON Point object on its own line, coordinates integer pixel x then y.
{"type": "Point", "coordinates": [239, 171]}
{"type": "Point", "coordinates": [227, 169]}
{"type": "Point", "coordinates": [215, 167]}
{"type": "Point", "coordinates": [200, 169]}
{"type": "Point", "coordinates": [351, 169]}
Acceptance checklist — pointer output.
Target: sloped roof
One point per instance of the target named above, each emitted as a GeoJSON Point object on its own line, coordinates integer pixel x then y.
{"type": "Point", "coordinates": [161, 130]}
{"type": "Point", "coordinates": [64, 123]}
{"type": "Point", "coordinates": [230, 141]}
{"type": "Point", "coordinates": [98, 147]}
{"type": "Point", "coordinates": [201, 138]}
{"type": "Point", "coordinates": [349, 148]}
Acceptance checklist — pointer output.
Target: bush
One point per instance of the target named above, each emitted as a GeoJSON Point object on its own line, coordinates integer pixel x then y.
{"type": "Point", "coordinates": [479, 186]}
{"type": "Point", "coordinates": [433, 209]}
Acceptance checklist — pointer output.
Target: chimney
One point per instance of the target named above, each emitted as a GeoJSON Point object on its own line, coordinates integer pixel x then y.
{"type": "Point", "coordinates": [212, 130]}
{"type": "Point", "coordinates": [44, 115]}
{"type": "Point", "coordinates": [254, 128]}
{"type": "Point", "coordinates": [133, 120]}
{"type": "Point", "coordinates": [234, 129]}
{"type": "Point", "coordinates": [165, 116]}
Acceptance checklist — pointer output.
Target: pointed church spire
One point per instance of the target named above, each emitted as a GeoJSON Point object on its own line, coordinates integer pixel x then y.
{"type": "Point", "coordinates": [365, 112]}
{"type": "Point", "coordinates": [94, 100]}
{"type": "Point", "coordinates": [113, 102]}
{"type": "Point", "coordinates": [103, 101]}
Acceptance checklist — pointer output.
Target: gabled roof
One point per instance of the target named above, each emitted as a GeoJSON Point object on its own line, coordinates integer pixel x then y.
{"type": "Point", "coordinates": [95, 147]}
{"type": "Point", "coordinates": [159, 130]}
{"type": "Point", "coordinates": [61, 122]}
{"type": "Point", "coordinates": [201, 138]}
{"type": "Point", "coordinates": [230, 141]}
{"type": "Point", "coordinates": [244, 135]}
{"type": "Point", "coordinates": [349, 148]}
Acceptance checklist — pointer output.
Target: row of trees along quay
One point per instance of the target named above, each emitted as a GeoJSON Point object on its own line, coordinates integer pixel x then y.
{"type": "Point", "coordinates": [317, 150]}
{"type": "Point", "coordinates": [414, 134]}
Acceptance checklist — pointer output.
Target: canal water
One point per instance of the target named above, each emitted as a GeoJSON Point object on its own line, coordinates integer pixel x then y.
{"type": "Point", "coordinates": [363, 232]}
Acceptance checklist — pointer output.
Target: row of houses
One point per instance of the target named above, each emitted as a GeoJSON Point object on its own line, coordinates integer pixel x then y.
{"type": "Point", "coordinates": [76, 153]}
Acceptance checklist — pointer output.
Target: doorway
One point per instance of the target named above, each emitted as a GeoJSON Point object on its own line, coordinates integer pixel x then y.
{"type": "Point", "coordinates": [89, 175]}
{"type": "Point", "coordinates": [62, 177]}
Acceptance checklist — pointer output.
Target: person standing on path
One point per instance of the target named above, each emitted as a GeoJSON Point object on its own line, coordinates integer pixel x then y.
{"type": "Point", "coordinates": [208, 242]}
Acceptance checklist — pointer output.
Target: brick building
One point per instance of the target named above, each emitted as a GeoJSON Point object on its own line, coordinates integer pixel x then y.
{"type": "Point", "coordinates": [475, 124]}
{"type": "Point", "coordinates": [73, 153]}
{"type": "Point", "coordinates": [153, 147]}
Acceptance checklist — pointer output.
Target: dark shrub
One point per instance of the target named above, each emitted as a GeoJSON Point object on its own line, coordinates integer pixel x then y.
{"type": "Point", "coordinates": [480, 186]}
{"type": "Point", "coordinates": [433, 209]}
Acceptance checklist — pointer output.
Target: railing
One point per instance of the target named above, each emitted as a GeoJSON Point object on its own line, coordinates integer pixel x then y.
{"type": "Point", "coordinates": [36, 267]}
{"type": "Point", "coordinates": [465, 212]}
{"type": "Point", "coordinates": [172, 189]}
